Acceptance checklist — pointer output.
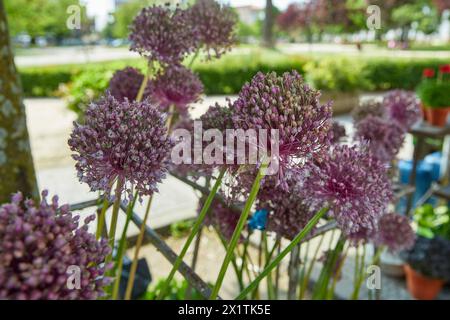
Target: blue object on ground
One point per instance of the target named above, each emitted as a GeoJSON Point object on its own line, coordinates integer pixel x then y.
{"type": "Point", "coordinates": [259, 220]}
{"type": "Point", "coordinates": [428, 171]}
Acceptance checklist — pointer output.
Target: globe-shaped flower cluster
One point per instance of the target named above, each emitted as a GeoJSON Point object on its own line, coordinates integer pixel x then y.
{"type": "Point", "coordinates": [385, 137]}
{"type": "Point", "coordinates": [163, 34]}
{"type": "Point", "coordinates": [214, 26]}
{"type": "Point", "coordinates": [125, 142]}
{"type": "Point", "coordinates": [175, 86]}
{"type": "Point", "coordinates": [287, 104]}
{"type": "Point", "coordinates": [40, 245]}
{"type": "Point", "coordinates": [352, 183]}
{"type": "Point", "coordinates": [395, 232]}
{"type": "Point", "coordinates": [403, 107]}
{"type": "Point", "coordinates": [126, 83]}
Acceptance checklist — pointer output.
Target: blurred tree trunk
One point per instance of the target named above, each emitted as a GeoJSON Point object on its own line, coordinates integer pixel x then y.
{"type": "Point", "coordinates": [268, 39]}
{"type": "Point", "coordinates": [16, 163]}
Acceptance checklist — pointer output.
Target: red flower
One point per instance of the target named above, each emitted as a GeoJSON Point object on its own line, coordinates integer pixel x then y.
{"type": "Point", "coordinates": [428, 73]}
{"type": "Point", "coordinates": [445, 68]}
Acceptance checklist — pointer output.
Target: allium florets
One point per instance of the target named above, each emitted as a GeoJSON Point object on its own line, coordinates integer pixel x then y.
{"type": "Point", "coordinates": [177, 86]}
{"type": "Point", "coordinates": [289, 105]}
{"type": "Point", "coordinates": [221, 217]}
{"type": "Point", "coordinates": [163, 34]}
{"type": "Point", "coordinates": [403, 107]}
{"type": "Point", "coordinates": [40, 243]}
{"type": "Point", "coordinates": [125, 83]}
{"type": "Point", "coordinates": [125, 142]}
{"type": "Point", "coordinates": [385, 137]}
{"type": "Point", "coordinates": [352, 183]}
{"type": "Point", "coordinates": [339, 132]}
{"type": "Point", "coordinates": [214, 26]}
{"type": "Point", "coordinates": [394, 231]}
{"type": "Point", "coordinates": [369, 107]}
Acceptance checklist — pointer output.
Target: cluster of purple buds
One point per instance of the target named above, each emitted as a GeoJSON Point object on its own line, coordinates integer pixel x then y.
{"type": "Point", "coordinates": [221, 217]}
{"type": "Point", "coordinates": [394, 231]}
{"type": "Point", "coordinates": [339, 132]}
{"type": "Point", "coordinates": [163, 34]}
{"type": "Point", "coordinates": [126, 83]}
{"type": "Point", "coordinates": [385, 137]}
{"type": "Point", "coordinates": [402, 107]}
{"type": "Point", "coordinates": [369, 107]}
{"type": "Point", "coordinates": [353, 184]}
{"type": "Point", "coordinates": [42, 247]}
{"type": "Point", "coordinates": [214, 26]}
{"type": "Point", "coordinates": [287, 104]}
{"type": "Point", "coordinates": [175, 86]}
{"type": "Point", "coordinates": [124, 142]}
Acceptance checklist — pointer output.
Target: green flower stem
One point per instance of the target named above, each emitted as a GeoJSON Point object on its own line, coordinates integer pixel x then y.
{"type": "Point", "coordinates": [122, 248]}
{"type": "Point", "coordinates": [237, 232]}
{"type": "Point", "coordinates": [139, 242]}
{"type": "Point", "coordinates": [101, 219]}
{"type": "Point", "coordinates": [114, 216]}
{"type": "Point", "coordinates": [336, 276]}
{"type": "Point", "coordinates": [270, 287]}
{"type": "Point", "coordinates": [144, 83]}
{"type": "Point", "coordinates": [195, 229]}
{"type": "Point", "coordinates": [305, 281]}
{"type": "Point", "coordinates": [321, 288]}
{"type": "Point", "coordinates": [233, 260]}
{"type": "Point", "coordinates": [360, 275]}
{"type": "Point", "coordinates": [285, 252]}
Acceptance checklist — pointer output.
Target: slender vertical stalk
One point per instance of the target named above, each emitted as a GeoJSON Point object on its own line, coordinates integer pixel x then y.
{"type": "Point", "coordinates": [293, 273]}
{"type": "Point", "coordinates": [321, 288]}
{"type": "Point", "coordinates": [144, 83]}
{"type": "Point", "coordinates": [237, 232]}
{"type": "Point", "coordinates": [337, 275]}
{"type": "Point", "coordinates": [114, 216]}
{"type": "Point", "coordinates": [305, 282]}
{"type": "Point", "coordinates": [122, 248]}
{"type": "Point", "coordinates": [195, 230]}
{"type": "Point", "coordinates": [101, 219]}
{"type": "Point", "coordinates": [139, 241]}
{"type": "Point", "coordinates": [270, 287]}
{"type": "Point", "coordinates": [314, 220]}
{"type": "Point", "coordinates": [360, 280]}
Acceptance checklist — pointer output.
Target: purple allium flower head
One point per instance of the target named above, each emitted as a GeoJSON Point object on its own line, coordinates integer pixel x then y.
{"type": "Point", "coordinates": [175, 85]}
{"type": "Point", "coordinates": [289, 105]}
{"type": "Point", "coordinates": [352, 183]}
{"type": "Point", "coordinates": [214, 25]}
{"type": "Point", "coordinates": [223, 218]}
{"type": "Point", "coordinates": [338, 131]}
{"type": "Point", "coordinates": [403, 107]}
{"type": "Point", "coordinates": [395, 232]}
{"type": "Point", "coordinates": [163, 34]}
{"type": "Point", "coordinates": [385, 137]}
{"type": "Point", "coordinates": [39, 245]}
{"type": "Point", "coordinates": [288, 213]}
{"type": "Point", "coordinates": [121, 140]}
{"type": "Point", "coordinates": [369, 107]}
{"type": "Point", "coordinates": [125, 83]}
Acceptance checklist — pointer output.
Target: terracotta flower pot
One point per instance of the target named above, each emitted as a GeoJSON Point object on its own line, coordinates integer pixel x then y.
{"type": "Point", "coordinates": [437, 116]}
{"type": "Point", "coordinates": [422, 287]}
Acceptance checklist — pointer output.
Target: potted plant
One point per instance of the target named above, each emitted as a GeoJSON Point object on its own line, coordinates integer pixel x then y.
{"type": "Point", "coordinates": [435, 97]}
{"type": "Point", "coordinates": [428, 262]}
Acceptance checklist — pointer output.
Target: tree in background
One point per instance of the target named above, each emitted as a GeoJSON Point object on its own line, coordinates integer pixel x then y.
{"type": "Point", "coordinates": [43, 18]}
{"type": "Point", "coordinates": [269, 21]}
{"type": "Point", "coordinates": [16, 162]}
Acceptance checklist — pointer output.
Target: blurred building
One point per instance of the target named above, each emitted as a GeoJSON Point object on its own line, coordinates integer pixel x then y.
{"type": "Point", "coordinates": [249, 14]}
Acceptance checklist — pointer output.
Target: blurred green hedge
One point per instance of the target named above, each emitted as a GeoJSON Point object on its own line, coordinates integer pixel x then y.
{"type": "Point", "coordinates": [227, 75]}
